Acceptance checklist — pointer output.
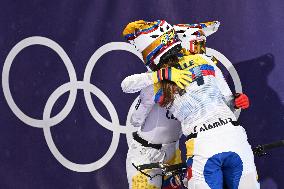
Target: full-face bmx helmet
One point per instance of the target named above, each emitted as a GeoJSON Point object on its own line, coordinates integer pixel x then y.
{"type": "Point", "coordinates": [155, 40]}
{"type": "Point", "coordinates": [193, 36]}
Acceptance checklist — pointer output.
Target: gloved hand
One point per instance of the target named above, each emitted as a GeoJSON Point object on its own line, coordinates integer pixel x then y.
{"type": "Point", "coordinates": [181, 77]}
{"type": "Point", "coordinates": [241, 101]}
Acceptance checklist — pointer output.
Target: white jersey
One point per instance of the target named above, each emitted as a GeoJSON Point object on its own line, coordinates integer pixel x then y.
{"type": "Point", "coordinates": [157, 125]}
{"type": "Point", "coordinates": [207, 105]}
{"type": "Point", "coordinates": [194, 107]}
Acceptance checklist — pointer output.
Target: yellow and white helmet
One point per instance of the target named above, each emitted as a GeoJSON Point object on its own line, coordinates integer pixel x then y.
{"type": "Point", "coordinates": [155, 40]}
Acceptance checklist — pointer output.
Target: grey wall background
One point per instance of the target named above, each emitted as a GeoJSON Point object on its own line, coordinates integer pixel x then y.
{"type": "Point", "coordinates": [250, 35]}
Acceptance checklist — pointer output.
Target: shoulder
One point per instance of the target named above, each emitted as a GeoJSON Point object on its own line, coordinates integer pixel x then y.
{"type": "Point", "coordinates": [147, 95]}
{"type": "Point", "coordinates": [153, 93]}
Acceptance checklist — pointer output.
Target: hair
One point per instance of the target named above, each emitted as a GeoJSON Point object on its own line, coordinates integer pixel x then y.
{"type": "Point", "coordinates": [169, 88]}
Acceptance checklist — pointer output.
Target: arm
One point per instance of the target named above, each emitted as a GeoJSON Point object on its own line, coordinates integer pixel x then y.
{"type": "Point", "coordinates": [235, 101]}
{"type": "Point", "coordinates": [224, 88]}
{"type": "Point", "coordinates": [221, 83]}
{"type": "Point", "coordinates": [144, 106]}
{"type": "Point", "coordinates": [136, 82]}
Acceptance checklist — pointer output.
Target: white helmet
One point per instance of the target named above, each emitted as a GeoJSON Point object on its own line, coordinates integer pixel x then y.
{"type": "Point", "coordinates": [192, 35]}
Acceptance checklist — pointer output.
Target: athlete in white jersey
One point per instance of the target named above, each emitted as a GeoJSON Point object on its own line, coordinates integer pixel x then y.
{"type": "Point", "coordinates": [157, 137]}
{"type": "Point", "coordinates": [217, 148]}
{"type": "Point", "coordinates": [162, 131]}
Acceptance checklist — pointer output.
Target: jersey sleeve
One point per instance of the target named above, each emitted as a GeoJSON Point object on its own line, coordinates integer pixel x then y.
{"type": "Point", "coordinates": [224, 88]}
{"type": "Point", "coordinates": [143, 107]}
{"type": "Point", "coordinates": [136, 82]}
{"type": "Point", "coordinates": [222, 84]}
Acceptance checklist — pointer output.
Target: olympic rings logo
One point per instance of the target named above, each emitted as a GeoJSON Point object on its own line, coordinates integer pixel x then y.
{"type": "Point", "coordinates": [72, 86]}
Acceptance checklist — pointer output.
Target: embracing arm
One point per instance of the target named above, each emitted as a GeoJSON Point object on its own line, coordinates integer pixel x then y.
{"type": "Point", "coordinates": [224, 88]}
{"type": "Point", "coordinates": [238, 100]}
{"type": "Point", "coordinates": [144, 106]}
{"type": "Point", "coordinates": [137, 82]}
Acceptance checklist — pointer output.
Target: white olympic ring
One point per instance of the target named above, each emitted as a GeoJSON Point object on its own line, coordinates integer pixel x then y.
{"type": "Point", "coordinates": [88, 88]}
{"type": "Point", "coordinates": [5, 80]}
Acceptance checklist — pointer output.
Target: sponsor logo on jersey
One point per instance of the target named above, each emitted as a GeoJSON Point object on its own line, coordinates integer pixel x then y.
{"type": "Point", "coordinates": [213, 125]}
